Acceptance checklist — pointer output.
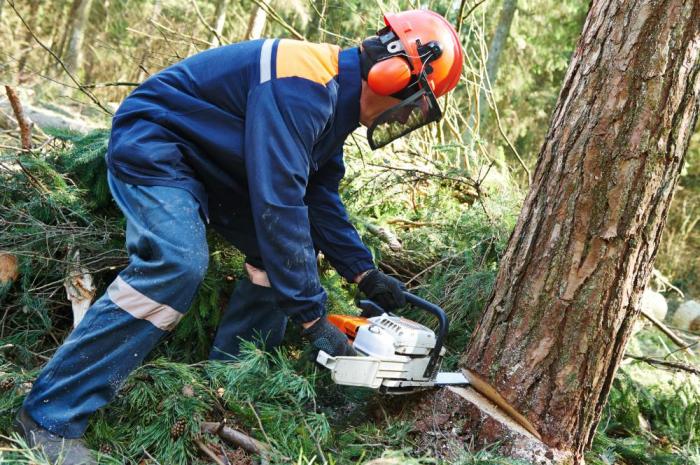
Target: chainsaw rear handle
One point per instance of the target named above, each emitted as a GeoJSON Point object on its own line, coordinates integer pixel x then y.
{"type": "Point", "coordinates": [370, 309]}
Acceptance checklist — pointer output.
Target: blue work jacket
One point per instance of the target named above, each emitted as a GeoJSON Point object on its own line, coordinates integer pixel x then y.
{"type": "Point", "coordinates": [255, 131]}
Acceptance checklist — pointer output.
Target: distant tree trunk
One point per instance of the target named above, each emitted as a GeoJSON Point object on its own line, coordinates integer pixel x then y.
{"type": "Point", "coordinates": [566, 294]}
{"type": "Point", "coordinates": [67, 31]}
{"type": "Point", "coordinates": [498, 43]}
{"type": "Point", "coordinates": [256, 23]}
{"type": "Point", "coordinates": [74, 50]}
{"type": "Point", "coordinates": [28, 42]}
{"type": "Point", "coordinates": [141, 71]}
{"type": "Point", "coordinates": [220, 14]}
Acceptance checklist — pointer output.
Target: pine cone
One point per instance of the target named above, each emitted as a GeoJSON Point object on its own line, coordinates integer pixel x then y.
{"type": "Point", "coordinates": [7, 384]}
{"type": "Point", "coordinates": [178, 428]}
{"type": "Point", "coordinates": [106, 449]}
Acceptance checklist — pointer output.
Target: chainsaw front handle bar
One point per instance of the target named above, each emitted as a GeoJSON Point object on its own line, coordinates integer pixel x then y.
{"type": "Point", "coordinates": [370, 309]}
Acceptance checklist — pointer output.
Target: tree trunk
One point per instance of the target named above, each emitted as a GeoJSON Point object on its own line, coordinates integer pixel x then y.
{"type": "Point", "coordinates": [555, 329]}
{"type": "Point", "coordinates": [256, 23]}
{"type": "Point", "coordinates": [74, 52]}
{"type": "Point", "coordinates": [220, 14]}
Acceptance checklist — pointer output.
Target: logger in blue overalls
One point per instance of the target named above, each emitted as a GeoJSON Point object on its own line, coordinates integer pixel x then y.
{"type": "Point", "coordinates": [248, 139]}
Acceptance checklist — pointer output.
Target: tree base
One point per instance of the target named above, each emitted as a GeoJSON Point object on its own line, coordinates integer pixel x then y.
{"type": "Point", "coordinates": [452, 417]}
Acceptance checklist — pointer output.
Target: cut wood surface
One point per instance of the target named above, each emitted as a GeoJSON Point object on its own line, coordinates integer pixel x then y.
{"type": "Point", "coordinates": [9, 267]}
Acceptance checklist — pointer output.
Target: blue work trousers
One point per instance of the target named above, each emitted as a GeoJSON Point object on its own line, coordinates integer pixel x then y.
{"type": "Point", "coordinates": [168, 258]}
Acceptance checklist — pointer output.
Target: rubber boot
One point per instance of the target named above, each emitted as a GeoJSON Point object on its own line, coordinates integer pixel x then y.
{"type": "Point", "coordinates": [251, 315]}
{"type": "Point", "coordinates": [57, 449]}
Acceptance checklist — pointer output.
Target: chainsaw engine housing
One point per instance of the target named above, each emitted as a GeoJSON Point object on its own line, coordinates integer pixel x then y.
{"type": "Point", "coordinates": [394, 356]}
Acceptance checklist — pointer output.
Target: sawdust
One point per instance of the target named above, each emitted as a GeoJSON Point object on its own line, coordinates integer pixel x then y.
{"type": "Point", "coordinates": [448, 420]}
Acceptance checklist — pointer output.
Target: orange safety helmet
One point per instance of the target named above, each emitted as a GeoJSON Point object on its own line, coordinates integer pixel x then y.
{"type": "Point", "coordinates": [415, 29]}
{"type": "Point", "coordinates": [416, 58]}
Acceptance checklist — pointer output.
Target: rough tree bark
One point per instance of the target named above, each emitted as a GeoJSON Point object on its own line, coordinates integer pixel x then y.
{"type": "Point", "coordinates": [555, 329]}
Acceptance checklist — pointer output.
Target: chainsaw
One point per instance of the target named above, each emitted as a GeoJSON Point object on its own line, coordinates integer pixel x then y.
{"type": "Point", "coordinates": [400, 356]}
{"type": "Point", "coordinates": [395, 355]}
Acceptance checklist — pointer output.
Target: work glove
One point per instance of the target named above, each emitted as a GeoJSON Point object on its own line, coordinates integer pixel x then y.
{"type": "Point", "coordinates": [383, 289]}
{"type": "Point", "coordinates": [323, 335]}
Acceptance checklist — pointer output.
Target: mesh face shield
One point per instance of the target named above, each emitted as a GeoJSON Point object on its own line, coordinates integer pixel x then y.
{"type": "Point", "coordinates": [416, 111]}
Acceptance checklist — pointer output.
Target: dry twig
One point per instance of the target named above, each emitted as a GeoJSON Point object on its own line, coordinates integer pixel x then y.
{"type": "Point", "coordinates": [25, 124]}
{"type": "Point", "coordinates": [667, 331]}
{"type": "Point", "coordinates": [674, 365]}
{"type": "Point", "coordinates": [204, 22]}
{"type": "Point", "coordinates": [272, 13]}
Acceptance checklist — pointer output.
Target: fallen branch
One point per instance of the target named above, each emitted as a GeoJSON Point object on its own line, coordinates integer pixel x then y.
{"type": "Point", "coordinates": [675, 365]}
{"type": "Point", "coordinates": [385, 235]}
{"type": "Point", "coordinates": [212, 455]}
{"type": "Point", "coordinates": [667, 331]}
{"type": "Point", "coordinates": [25, 126]}
{"type": "Point", "coordinates": [235, 437]}
{"type": "Point", "coordinates": [99, 85]}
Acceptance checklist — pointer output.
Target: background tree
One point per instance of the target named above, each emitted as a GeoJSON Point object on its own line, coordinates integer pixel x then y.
{"type": "Point", "coordinates": [76, 34]}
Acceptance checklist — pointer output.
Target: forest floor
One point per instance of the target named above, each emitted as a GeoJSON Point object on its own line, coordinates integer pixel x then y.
{"type": "Point", "coordinates": [288, 403]}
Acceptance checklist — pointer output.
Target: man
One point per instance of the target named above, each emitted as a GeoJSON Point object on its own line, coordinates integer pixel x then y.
{"type": "Point", "coordinates": [246, 138]}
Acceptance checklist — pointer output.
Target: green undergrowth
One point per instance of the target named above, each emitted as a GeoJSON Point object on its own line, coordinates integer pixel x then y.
{"type": "Point", "coordinates": [652, 413]}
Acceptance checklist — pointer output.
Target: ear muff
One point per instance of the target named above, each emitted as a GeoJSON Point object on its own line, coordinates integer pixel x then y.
{"type": "Point", "coordinates": [389, 76]}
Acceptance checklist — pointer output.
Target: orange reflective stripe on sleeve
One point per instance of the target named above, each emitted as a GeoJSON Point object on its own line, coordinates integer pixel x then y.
{"type": "Point", "coordinates": [316, 62]}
